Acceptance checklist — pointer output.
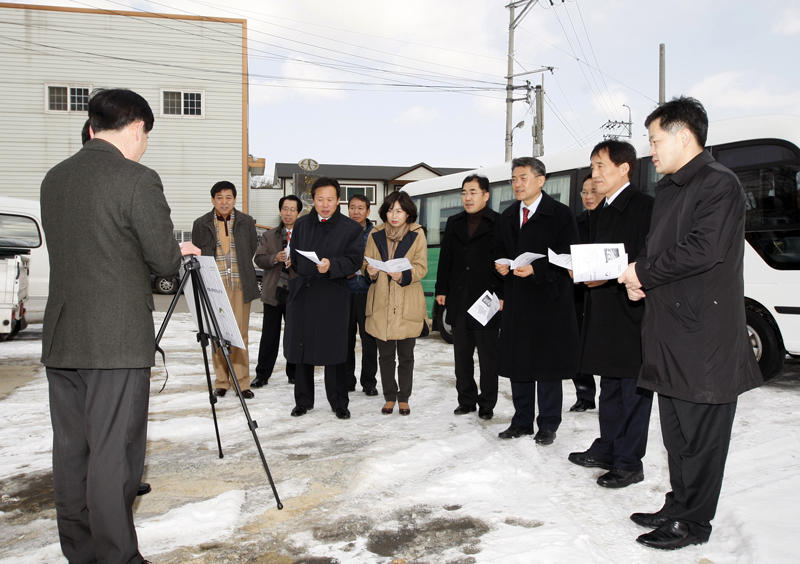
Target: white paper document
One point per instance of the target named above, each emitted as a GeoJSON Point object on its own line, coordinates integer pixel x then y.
{"type": "Point", "coordinates": [219, 303]}
{"type": "Point", "coordinates": [310, 255]}
{"type": "Point", "coordinates": [564, 261]}
{"type": "Point", "coordinates": [522, 260]}
{"type": "Point", "coordinates": [485, 307]}
{"type": "Point", "coordinates": [394, 265]}
{"type": "Point", "coordinates": [601, 261]}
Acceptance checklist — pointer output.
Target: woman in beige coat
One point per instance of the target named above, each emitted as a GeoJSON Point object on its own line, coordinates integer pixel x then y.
{"type": "Point", "coordinates": [396, 312]}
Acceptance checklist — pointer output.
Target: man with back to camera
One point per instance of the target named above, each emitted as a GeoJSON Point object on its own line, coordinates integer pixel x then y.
{"type": "Point", "coordinates": [695, 350]}
{"type": "Point", "coordinates": [229, 235]}
{"type": "Point", "coordinates": [466, 270]}
{"type": "Point", "coordinates": [539, 344]}
{"type": "Point", "coordinates": [102, 206]}
{"type": "Point", "coordinates": [611, 336]}
{"type": "Point", "coordinates": [272, 256]}
{"type": "Point", "coordinates": [358, 209]}
{"type": "Point", "coordinates": [585, 387]}
{"type": "Point", "coordinates": [318, 309]}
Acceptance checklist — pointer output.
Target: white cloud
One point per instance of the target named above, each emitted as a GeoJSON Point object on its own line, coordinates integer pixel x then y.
{"type": "Point", "coordinates": [418, 115]}
{"type": "Point", "coordinates": [787, 22]}
{"type": "Point", "coordinates": [739, 91]}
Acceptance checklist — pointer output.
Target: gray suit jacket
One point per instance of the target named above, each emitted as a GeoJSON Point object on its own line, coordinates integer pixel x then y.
{"type": "Point", "coordinates": [246, 240]}
{"type": "Point", "coordinates": [108, 228]}
{"type": "Point", "coordinates": [271, 244]}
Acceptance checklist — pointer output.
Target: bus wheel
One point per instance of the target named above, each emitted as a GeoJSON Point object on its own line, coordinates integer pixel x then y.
{"type": "Point", "coordinates": [445, 330]}
{"type": "Point", "coordinates": [765, 343]}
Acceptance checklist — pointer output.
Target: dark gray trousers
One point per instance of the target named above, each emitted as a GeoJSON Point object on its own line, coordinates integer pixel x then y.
{"type": "Point", "coordinates": [404, 350]}
{"type": "Point", "coordinates": [99, 422]}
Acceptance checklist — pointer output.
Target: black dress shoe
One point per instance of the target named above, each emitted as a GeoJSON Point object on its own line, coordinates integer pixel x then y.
{"type": "Point", "coordinates": [220, 392]}
{"type": "Point", "coordinates": [351, 388]}
{"type": "Point", "coordinates": [291, 380]}
{"type": "Point", "coordinates": [299, 410]}
{"type": "Point", "coordinates": [582, 405]}
{"type": "Point", "coordinates": [464, 409]}
{"type": "Point", "coordinates": [616, 478]}
{"type": "Point", "coordinates": [650, 520]}
{"type": "Point", "coordinates": [588, 460]}
{"type": "Point", "coordinates": [144, 488]}
{"type": "Point", "coordinates": [259, 382]}
{"type": "Point", "coordinates": [248, 394]}
{"type": "Point", "coordinates": [545, 437]}
{"type": "Point", "coordinates": [371, 391]}
{"type": "Point", "coordinates": [669, 536]}
{"type": "Point", "coordinates": [343, 413]}
{"type": "Point", "coordinates": [485, 413]}
{"type": "Point", "coordinates": [514, 431]}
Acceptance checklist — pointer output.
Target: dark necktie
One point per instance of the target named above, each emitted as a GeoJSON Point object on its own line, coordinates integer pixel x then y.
{"type": "Point", "coordinates": [525, 212]}
{"type": "Point", "coordinates": [224, 219]}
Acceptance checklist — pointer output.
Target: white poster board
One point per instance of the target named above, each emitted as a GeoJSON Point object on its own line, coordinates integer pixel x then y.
{"type": "Point", "coordinates": [218, 298]}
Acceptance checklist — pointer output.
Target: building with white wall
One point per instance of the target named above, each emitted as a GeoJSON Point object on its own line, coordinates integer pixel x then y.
{"type": "Point", "coordinates": [192, 70]}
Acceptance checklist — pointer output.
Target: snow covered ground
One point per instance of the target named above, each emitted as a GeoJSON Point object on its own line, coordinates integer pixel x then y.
{"type": "Point", "coordinates": [429, 488]}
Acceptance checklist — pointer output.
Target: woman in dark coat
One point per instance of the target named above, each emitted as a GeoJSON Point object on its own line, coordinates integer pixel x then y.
{"type": "Point", "coordinates": [318, 306]}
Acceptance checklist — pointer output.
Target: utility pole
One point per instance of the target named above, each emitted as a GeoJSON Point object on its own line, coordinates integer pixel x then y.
{"type": "Point", "coordinates": [514, 21]}
{"type": "Point", "coordinates": [662, 74]}
{"type": "Point", "coordinates": [627, 126]}
{"type": "Point", "coordinates": [538, 121]}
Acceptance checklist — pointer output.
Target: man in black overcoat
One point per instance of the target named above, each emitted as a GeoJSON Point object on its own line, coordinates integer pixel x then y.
{"type": "Point", "coordinates": [108, 228]}
{"type": "Point", "coordinates": [318, 307]}
{"type": "Point", "coordinates": [539, 344]}
{"type": "Point", "coordinates": [612, 346]}
{"type": "Point", "coordinates": [696, 354]}
{"type": "Point", "coordinates": [466, 270]}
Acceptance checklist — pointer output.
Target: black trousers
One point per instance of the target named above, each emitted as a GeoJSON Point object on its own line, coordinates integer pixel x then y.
{"type": "Point", "coordinates": [697, 437]}
{"type": "Point", "coordinates": [335, 385]}
{"type": "Point", "coordinates": [270, 341]}
{"type": "Point", "coordinates": [464, 343]}
{"type": "Point", "coordinates": [369, 348]}
{"type": "Point", "coordinates": [404, 351]}
{"type": "Point", "coordinates": [551, 396]}
{"type": "Point", "coordinates": [624, 413]}
{"type": "Point", "coordinates": [585, 387]}
{"type": "Point", "coordinates": [99, 422]}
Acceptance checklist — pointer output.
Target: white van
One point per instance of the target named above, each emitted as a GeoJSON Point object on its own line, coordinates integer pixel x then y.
{"type": "Point", "coordinates": [18, 214]}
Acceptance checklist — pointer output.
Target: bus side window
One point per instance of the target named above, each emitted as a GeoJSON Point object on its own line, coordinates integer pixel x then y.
{"type": "Point", "coordinates": [437, 209]}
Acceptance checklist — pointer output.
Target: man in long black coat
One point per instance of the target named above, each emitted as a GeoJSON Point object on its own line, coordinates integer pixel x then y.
{"type": "Point", "coordinates": [466, 270]}
{"type": "Point", "coordinates": [318, 307]}
{"type": "Point", "coordinates": [696, 353]}
{"type": "Point", "coordinates": [539, 343]}
{"type": "Point", "coordinates": [612, 324]}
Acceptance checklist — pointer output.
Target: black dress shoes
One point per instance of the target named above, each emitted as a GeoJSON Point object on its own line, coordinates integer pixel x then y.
{"type": "Point", "coordinates": [588, 460]}
{"type": "Point", "coordinates": [616, 478]}
{"type": "Point", "coordinates": [291, 379]}
{"type": "Point", "coordinates": [351, 388]}
{"type": "Point", "coordinates": [144, 488]}
{"type": "Point", "coordinates": [299, 410]}
{"type": "Point", "coordinates": [669, 536]}
{"type": "Point", "coordinates": [515, 431]}
{"type": "Point", "coordinates": [485, 413]}
{"type": "Point", "coordinates": [259, 382]}
{"type": "Point", "coordinates": [220, 392]}
{"type": "Point", "coordinates": [582, 405]}
{"type": "Point", "coordinates": [371, 391]}
{"type": "Point", "coordinates": [544, 437]}
{"type": "Point", "coordinates": [248, 394]}
{"type": "Point", "coordinates": [649, 520]}
{"type": "Point", "coordinates": [464, 409]}
{"type": "Point", "coordinates": [343, 413]}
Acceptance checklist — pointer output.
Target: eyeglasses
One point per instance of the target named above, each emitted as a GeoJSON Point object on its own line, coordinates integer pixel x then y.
{"type": "Point", "coordinates": [288, 210]}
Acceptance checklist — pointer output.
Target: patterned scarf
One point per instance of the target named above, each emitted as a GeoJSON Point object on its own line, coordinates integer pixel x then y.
{"type": "Point", "coordinates": [226, 263]}
{"type": "Point", "coordinates": [282, 290]}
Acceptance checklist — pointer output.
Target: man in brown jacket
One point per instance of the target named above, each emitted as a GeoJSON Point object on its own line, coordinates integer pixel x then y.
{"type": "Point", "coordinates": [108, 228]}
{"type": "Point", "coordinates": [272, 256]}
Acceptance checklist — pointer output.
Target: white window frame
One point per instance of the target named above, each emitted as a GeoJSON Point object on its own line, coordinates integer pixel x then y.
{"type": "Point", "coordinates": [346, 196]}
{"type": "Point", "coordinates": [183, 91]}
{"type": "Point", "coordinates": [69, 87]}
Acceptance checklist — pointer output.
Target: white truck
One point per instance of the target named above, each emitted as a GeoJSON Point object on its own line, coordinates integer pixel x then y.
{"type": "Point", "coordinates": [20, 235]}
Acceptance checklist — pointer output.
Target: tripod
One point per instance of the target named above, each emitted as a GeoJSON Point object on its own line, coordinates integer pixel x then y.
{"type": "Point", "coordinates": [206, 320]}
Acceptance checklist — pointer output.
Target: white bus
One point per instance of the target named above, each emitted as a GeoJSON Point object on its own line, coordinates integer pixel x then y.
{"type": "Point", "coordinates": [764, 151]}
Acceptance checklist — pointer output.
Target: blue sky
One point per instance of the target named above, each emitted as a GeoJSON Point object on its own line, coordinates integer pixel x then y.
{"type": "Point", "coordinates": [396, 83]}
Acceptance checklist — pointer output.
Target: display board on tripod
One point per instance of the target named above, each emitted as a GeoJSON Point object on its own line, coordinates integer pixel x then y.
{"type": "Point", "coordinates": [219, 302]}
